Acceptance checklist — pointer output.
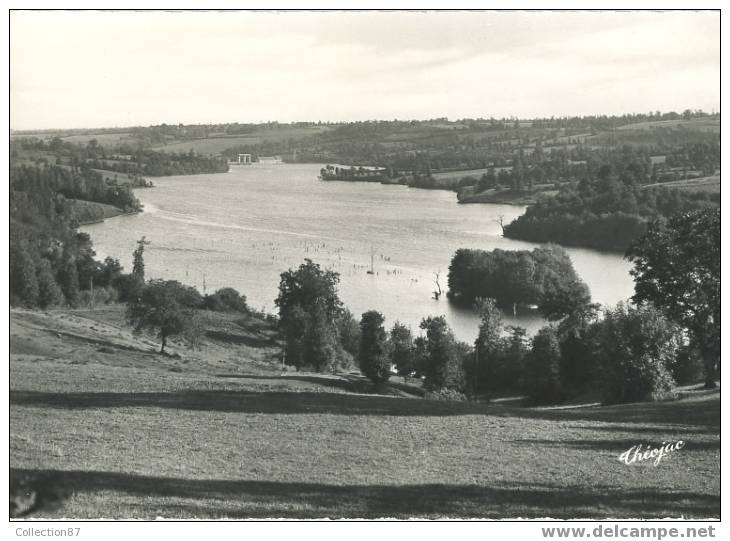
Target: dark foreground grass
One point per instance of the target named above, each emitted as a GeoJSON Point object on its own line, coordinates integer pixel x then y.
{"type": "Point", "coordinates": [97, 435]}
{"type": "Point", "coordinates": [148, 496]}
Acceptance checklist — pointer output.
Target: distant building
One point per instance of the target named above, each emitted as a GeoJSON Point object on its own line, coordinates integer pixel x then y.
{"type": "Point", "coordinates": [244, 159]}
{"type": "Point", "coordinates": [270, 159]}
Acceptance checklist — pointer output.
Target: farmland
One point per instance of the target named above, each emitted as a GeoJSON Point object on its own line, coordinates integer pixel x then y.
{"type": "Point", "coordinates": [104, 139]}
{"type": "Point", "coordinates": [217, 144]}
{"type": "Point", "coordinates": [102, 426]}
{"type": "Point", "coordinates": [700, 124]}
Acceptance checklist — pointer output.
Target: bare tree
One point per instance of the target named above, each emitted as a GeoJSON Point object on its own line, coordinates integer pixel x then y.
{"type": "Point", "coordinates": [437, 292]}
{"type": "Point", "coordinates": [500, 221]}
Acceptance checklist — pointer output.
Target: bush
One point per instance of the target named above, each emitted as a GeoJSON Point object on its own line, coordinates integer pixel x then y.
{"type": "Point", "coordinates": [102, 295]}
{"type": "Point", "coordinates": [344, 361]}
{"type": "Point", "coordinates": [225, 300]}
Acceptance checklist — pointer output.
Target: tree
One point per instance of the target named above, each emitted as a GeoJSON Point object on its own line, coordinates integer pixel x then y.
{"type": "Point", "coordinates": [23, 280]}
{"type": "Point", "coordinates": [49, 293]}
{"type": "Point", "coordinates": [138, 259]}
{"type": "Point", "coordinates": [578, 363]}
{"type": "Point", "coordinates": [109, 271]}
{"type": "Point", "coordinates": [320, 341]}
{"type": "Point", "coordinates": [401, 350]}
{"type": "Point", "coordinates": [542, 374]}
{"type": "Point", "coordinates": [295, 333]}
{"type": "Point", "coordinates": [420, 356]}
{"type": "Point", "coordinates": [348, 332]}
{"type": "Point", "coordinates": [166, 307]}
{"type": "Point", "coordinates": [308, 286]}
{"type": "Point", "coordinates": [677, 268]}
{"type": "Point", "coordinates": [568, 298]}
{"type": "Point", "coordinates": [69, 279]}
{"type": "Point", "coordinates": [87, 267]}
{"type": "Point", "coordinates": [509, 366]}
{"type": "Point", "coordinates": [128, 286]}
{"type": "Point", "coordinates": [373, 355]}
{"type": "Point", "coordinates": [443, 369]}
{"type": "Point", "coordinates": [309, 308]}
{"type": "Point", "coordinates": [488, 342]}
{"type": "Point", "coordinates": [637, 347]}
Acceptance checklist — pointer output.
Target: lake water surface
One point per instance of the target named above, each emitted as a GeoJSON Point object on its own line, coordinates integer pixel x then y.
{"type": "Point", "coordinates": [242, 229]}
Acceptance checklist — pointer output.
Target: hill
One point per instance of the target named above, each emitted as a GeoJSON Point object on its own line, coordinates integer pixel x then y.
{"type": "Point", "coordinates": [102, 426]}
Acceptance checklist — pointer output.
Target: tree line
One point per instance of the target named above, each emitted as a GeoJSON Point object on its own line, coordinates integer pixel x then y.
{"type": "Point", "coordinates": [669, 334]}
{"type": "Point", "coordinates": [51, 262]}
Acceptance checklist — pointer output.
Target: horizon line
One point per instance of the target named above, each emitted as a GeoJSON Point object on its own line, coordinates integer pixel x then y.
{"type": "Point", "coordinates": [714, 112]}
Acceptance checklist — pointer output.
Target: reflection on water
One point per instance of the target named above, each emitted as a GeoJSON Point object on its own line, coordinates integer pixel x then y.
{"type": "Point", "coordinates": [244, 228]}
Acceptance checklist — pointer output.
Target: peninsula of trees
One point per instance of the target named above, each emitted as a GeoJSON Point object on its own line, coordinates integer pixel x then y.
{"type": "Point", "coordinates": [608, 213]}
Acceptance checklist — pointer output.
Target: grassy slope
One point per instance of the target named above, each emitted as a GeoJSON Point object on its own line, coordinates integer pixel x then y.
{"type": "Point", "coordinates": [103, 427]}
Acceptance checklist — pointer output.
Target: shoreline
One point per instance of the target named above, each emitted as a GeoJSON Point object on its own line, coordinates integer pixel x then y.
{"type": "Point", "coordinates": [504, 197]}
{"type": "Point", "coordinates": [515, 199]}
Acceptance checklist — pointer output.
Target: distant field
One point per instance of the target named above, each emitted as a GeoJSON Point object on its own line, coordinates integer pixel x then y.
{"type": "Point", "coordinates": [451, 178]}
{"type": "Point", "coordinates": [104, 139]}
{"type": "Point", "coordinates": [704, 184]}
{"type": "Point", "coordinates": [216, 145]}
{"type": "Point", "coordinates": [102, 426]}
{"type": "Point", "coordinates": [698, 124]}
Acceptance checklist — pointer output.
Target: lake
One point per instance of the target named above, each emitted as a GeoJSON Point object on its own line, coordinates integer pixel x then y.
{"type": "Point", "coordinates": [242, 229]}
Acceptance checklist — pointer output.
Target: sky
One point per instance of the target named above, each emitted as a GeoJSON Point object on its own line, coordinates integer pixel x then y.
{"type": "Point", "coordinates": [109, 69]}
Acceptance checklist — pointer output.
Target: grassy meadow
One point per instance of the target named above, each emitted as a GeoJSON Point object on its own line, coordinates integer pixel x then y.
{"type": "Point", "coordinates": [103, 426]}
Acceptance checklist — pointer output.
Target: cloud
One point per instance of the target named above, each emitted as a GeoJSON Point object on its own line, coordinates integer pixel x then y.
{"type": "Point", "coordinates": [73, 69]}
